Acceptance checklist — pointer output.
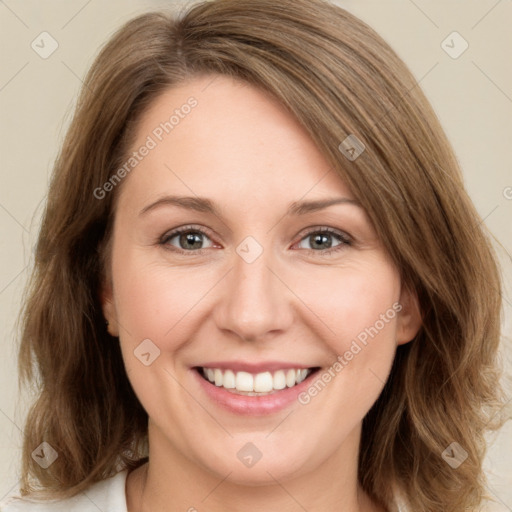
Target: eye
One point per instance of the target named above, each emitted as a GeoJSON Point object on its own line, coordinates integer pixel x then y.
{"type": "Point", "coordinates": [190, 239]}
{"type": "Point", "coordinates": [187, 238]}
{"type": "Point", "coordinates": [321, 240]}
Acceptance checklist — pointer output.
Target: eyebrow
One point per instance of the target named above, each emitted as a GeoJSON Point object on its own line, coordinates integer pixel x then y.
{"type": "Point", "coordinates": [200, 204]}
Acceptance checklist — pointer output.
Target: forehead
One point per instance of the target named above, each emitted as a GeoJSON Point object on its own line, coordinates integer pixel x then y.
{"type": "Point", "coordinates": [215, 136]}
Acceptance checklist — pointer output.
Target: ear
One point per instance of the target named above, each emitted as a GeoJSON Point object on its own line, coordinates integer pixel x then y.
{"type": "Point", "coordinates": [409, 317]}
{"type": "Point", "coordinates": [109, 309]}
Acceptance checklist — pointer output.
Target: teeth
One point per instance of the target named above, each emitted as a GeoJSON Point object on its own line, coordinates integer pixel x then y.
{"type": "Point", "coordinates": [210, 374]}
{"type": "Point", "coordinates": [218, 379]}
{"type": "Point", "coordinates": [243, 381]}
{"type": "Point", "coordinates": [263, 382]}
{"type": "Point", "coordinates": [279, 380]}
{"type": "Point", "coordinates": [260, 383]}
{"type": "Point", "coordinates": [229, 379]}
{"type": "Point", "coordinates": [291, 377]}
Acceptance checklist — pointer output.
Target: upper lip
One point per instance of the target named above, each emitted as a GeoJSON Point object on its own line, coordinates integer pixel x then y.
{"type": "Point", "coordinates": [253, 367]}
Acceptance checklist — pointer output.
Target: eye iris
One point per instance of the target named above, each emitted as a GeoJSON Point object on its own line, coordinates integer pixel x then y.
{"type": "Point", "coordinates": [190, 238]}
{"type": "Point", "coordinates": [323, 241]}
{"type": "Point", "coordinates": [193, 240]}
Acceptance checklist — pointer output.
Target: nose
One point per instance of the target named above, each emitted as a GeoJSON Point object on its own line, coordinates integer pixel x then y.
{"type": "Point", "coordinates": [256, 303]}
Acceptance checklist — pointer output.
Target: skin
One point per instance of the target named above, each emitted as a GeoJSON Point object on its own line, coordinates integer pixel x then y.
{"type": "Point", "coordinates": [296, 302]}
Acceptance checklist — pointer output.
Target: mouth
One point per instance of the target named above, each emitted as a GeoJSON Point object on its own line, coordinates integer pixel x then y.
{"type": "Point", "coordinates": [253, 388]}
{"type": "Point", "coordinates": [255, 384]}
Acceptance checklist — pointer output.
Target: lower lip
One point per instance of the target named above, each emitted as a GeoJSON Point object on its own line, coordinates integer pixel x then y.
{"type": "Point", "coordinates": [252, 405]}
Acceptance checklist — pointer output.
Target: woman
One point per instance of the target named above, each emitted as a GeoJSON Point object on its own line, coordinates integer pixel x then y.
{"type": "Point", "coordinates": [259, 281]}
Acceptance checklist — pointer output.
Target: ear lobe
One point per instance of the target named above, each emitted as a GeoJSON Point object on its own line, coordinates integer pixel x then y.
{"type": "Point", "coordinates": [409, 319]}
{"type": "Point", "coordinates": [109, 310]}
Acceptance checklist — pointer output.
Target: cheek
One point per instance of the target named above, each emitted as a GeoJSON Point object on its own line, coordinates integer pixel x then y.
{"type": "Point", "coordinates": [353, 302]}
{"type": "Point", "coordinates": [153, 300]}
{"type": "Point", "coordinates": [358, 308]}
{"type": "Point", "coordinates": [361, 318]}
{"type": "Point", "coordinates": [155, 308]}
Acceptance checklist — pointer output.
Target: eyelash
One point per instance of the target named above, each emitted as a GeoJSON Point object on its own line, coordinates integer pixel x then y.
{"type": "Point", "coordinates": [345, 240]}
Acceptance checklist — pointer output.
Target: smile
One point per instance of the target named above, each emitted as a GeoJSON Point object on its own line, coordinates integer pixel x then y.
{"type": "Point", "coordinates": [258, 384]}
{"type": "Point", "coordinates": [252, 389]}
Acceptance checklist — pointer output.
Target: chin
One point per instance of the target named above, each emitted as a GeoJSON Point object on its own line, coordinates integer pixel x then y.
{"type": "Point", "coordinates": [251, 466]}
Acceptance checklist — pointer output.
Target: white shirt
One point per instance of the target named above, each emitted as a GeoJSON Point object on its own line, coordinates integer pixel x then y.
{"type": "Point", "coordinates": [108, 495]}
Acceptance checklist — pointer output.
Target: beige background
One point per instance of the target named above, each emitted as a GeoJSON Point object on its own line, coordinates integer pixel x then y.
{"type": "Point", "coordinates": [472, 95]}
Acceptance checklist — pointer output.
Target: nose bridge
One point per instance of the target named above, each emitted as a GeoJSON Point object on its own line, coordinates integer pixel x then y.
{"type": "Point", "coordinates": [256, 302]}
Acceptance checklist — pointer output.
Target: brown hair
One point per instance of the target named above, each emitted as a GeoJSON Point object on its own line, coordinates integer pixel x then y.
{"type": "Point", "coordinates": [337, 77]}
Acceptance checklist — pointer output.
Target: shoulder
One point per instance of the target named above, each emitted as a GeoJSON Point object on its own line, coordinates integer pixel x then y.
{"type": "Point", "coordinates": [109, 494]}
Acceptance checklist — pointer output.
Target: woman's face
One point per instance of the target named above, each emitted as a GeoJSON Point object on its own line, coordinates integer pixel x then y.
{"type": "Point", "coordinates": [264, 281]}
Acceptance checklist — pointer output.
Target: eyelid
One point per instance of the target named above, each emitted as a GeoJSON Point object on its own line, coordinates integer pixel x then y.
{"type": "Point", "coordinates": [183, 229]}
{"type": "Point", "coordinates": [326, 229]}
{"type": "Point", "coordinates": [345, 238]}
